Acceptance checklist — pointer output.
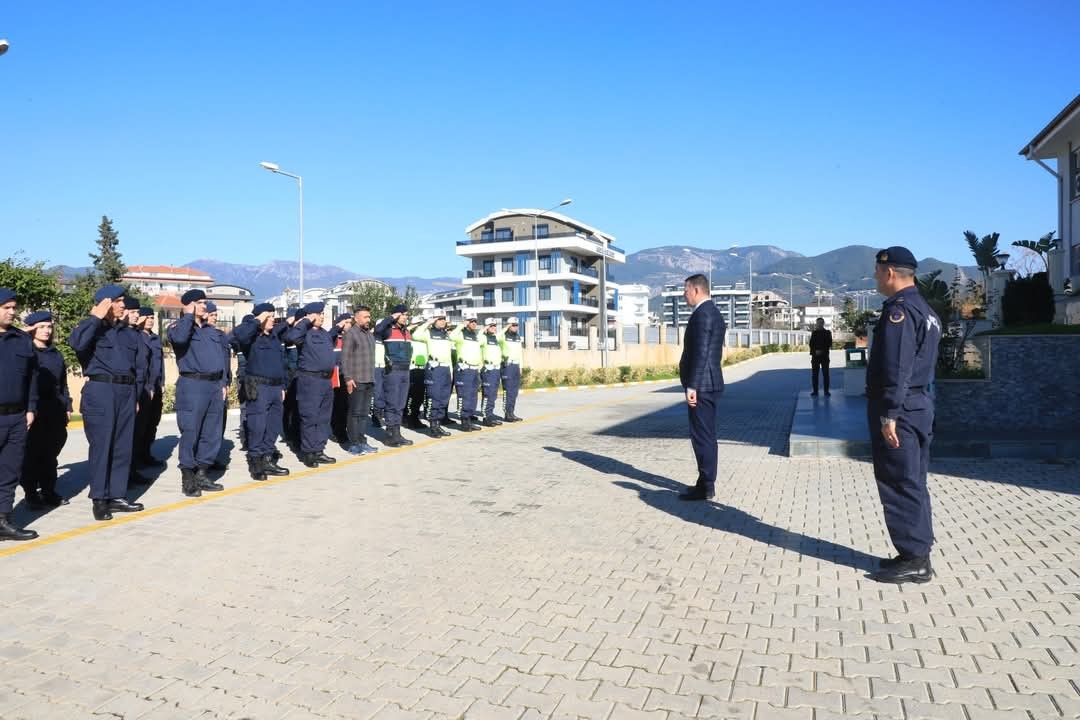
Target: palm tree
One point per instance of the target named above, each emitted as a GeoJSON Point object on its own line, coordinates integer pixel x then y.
{"type": "Point", "coordinates": [1042, 246]}
{"type": "Point", "coordinates": [983, 250]}
{"type": "Point", "coordinates": [936, 293]}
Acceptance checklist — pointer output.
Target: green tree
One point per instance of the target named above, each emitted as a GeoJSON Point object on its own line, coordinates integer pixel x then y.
{"type": "Point", "coordinates": [1041, 247]}
{"type": "Point", "coordinates": [936, 293]}
{"type": "Point", "coordinates": [411, 299]}
{"type": "Point", "coordinates": [35, 287]}
{"type": "Point", "coordinates": [108, 265]}
{"type": "Point", "coordinates": [380, 298]}
{"type": "Point", "coordinates": [71, 308]}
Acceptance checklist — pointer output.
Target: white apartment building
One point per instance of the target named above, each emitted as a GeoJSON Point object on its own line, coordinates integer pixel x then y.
{"type": "Point", "coordinates": [338, 299]}
{"type": "Point", "coordinates": [633, 305]}
{"type": "Point", "coordinates": [733, 301]}
{"type": "Point", "coordinates": [165, 280]}
{"type": "Point", "coordinates": [526, 262]}
{"type": "Point", "coordinates": [811, 313]}
{"type": "Point", "coordinates": [776, 309]}
{"type": "Point", "coordinates": [452, 303]}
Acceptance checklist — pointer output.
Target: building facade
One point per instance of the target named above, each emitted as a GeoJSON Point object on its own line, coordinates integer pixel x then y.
{"type": "Point", "coordinates": [233, 303]}
{"type": "Point", "coordinates": [155, 280]}
{"type": "Point", "coordinates": [733, 302]}
{"type": "Point", "coordinates": [525, 262]}
{"type": "Point", "coordinates": [454, 304]}
{"type": "Point", "coordinates": [633, 305]}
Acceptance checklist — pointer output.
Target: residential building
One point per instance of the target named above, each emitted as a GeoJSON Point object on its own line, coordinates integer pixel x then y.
{"type": "Point", "coordinates": [811, 313]}
{"type": "Point", "coordinates": [1060, 141]}
{"type": "Point", "coordinates": [633, 305]}
{"type": "Point", "coordinates": [164, 279]}
{"type": "Point", "coordinates": [453, 303]}
{"type": "Point", "coordinates": [733, 301]}
{"type": "Point", "coordinates": [338, 299]}
{"type": "Point", "coordinates": [526, 262]}
{"type": "Point", "coordinates": [775, 309]}
{"type": "Point", "coordinates": [233, 303]}
{"type": "Point", "coordinates": [289, 300]}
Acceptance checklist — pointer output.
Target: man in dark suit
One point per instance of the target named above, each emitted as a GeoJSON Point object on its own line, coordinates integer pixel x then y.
{"type": "Point", "coordinates": [703, 380]}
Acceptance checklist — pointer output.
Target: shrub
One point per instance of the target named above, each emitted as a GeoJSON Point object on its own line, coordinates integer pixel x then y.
{"type": "Point", "coordinates": [1028, 301]}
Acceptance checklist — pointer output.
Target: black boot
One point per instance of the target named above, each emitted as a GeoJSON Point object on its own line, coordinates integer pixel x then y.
{"type": "Point", "coordinates": [188, 484]}
{"type": "Point", "coordinates": [10, 531]}
{"type": "Point", "coordinates": [52, 499]}
{"type": "Point", "coordinates": [34, 501]}
{"type": "Point", "coordinates": [324, 459]}
{"type": "Point", "coordinates": [437, 430]}
{"type": "Point", "coordinates": [205, 483]}
{"type": "Point", "coordinates": [391, 437]}
{"type": "Point", "coordinates": [270, 467]}
{"type": "Point", "coordinates": [376, 420]}
{"type": "Point", "coordinates": [467, 425]}
{"type": "Point", "coordinates": [400, 440]}
{"type": "Point", "coordinates": [256, 468]}
{"type": "Point", "coordinates": [101, 510]}
{"type": "Point", "coordinates": [309, 459]}
{"type": "Point", "coordinates": [123, 505]}
{"type": "Point", "coordinates": [490, 422]}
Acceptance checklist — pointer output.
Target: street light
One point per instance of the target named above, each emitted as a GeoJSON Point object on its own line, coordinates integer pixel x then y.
{"type": "Point", "coordinates": [750, 268]}
{"type": "Point", "coordinates": [536, 260]}
{"type": "Point", "coordinates": [272, 167]}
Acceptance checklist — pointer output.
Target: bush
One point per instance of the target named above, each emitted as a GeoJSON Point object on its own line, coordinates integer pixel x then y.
{"type": "Point", "coordinates": [1028, 301]}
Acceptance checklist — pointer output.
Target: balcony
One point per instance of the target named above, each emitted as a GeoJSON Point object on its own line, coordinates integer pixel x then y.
{"type": "Point", "coordinates": [589, 272]}
{"type": "Point", "coordinates": [480, 274]}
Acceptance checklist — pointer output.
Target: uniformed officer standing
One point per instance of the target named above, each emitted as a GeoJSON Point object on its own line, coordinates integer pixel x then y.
{"type": "Point", "coordinates": [48, 434]}
{"type": "Point", "coordinates": [150, 400]}
{"type": "Point", "coordinates": [290, 415]}
{"type": "Point", "coordinates": [133, 319]}
{"type": "Point", "coordinates": [200, 393]}
{"type": "Point", "coordinates": [511, 370]}
{"type": "Point", "coordinates": [18, 406]}
{"type": "Point", "coordinates": [397, 341]}
{"type": "Point", "coordinates": [241, 367]}
{"type": "Point", "coordinates": [491, 372]}
{"type": "Point", "coordinates": [221, 462]}
{"type": "Point", "coordinates": [339, 415]}
{"type": "Point", "coordinates": [314, 395]}
{"type": "Point", "coordinates": [470, 356]}
{"type": "Point", "coordinates": [437, 380]}
{"type": "Point", "coordinates": [414, 405]}
{"type": "Point", "coordinates": [109, 351]}
{"type": "Point", "coordinates": [258, 337]}
{"type": "Point", "coordinates": [378, 402]}
{"type": "Point", "coordinates": [901, 414]}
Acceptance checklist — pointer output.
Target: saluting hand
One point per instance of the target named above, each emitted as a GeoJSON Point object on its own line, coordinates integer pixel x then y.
{"type": "Point", "coordinates": [189, 308]}
{"type": "Point", "coordinates": [888, 431]}
{"type": "Point", "coordinates": [101, 310]}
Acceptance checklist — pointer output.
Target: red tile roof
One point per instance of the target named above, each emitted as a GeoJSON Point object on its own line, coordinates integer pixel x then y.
{"type": "Point", "coordinates": [167, 301]}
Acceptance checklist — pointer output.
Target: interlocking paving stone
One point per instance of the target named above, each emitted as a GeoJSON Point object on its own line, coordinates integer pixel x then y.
{"type": "Point", "coordinates": [546, 569]}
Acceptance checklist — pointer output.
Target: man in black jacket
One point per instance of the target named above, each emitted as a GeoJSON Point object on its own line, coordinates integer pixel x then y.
{"type": "Point", "coordinates": [703, 380]}
{"type": "Point", "coordinates": [820, 345]}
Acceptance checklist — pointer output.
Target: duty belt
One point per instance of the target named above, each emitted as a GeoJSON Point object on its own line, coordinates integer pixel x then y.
{"type": "Point", "coordinates": [317, 373]}
{"type": "Point", "coordinates": [12, 409]}
{"type": "Point", "coordinates": [264, 380]}
{"type": "Point", "coordinates": [114, 379]}
{"type": "Point", "coordinates": [202, 376]}
{"type": "Point", "coordinates": [511, 362]}
{"type": "Point", "coordinates": [436, 363]}
{"type": "Point", "coordinates": [468, 365]}
{"type": "Point", "coordinates": [491, 366]}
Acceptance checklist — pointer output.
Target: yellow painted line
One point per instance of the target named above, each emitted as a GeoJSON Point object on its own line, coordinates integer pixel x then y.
{"type": "Point", "coordinates": [124, 518]}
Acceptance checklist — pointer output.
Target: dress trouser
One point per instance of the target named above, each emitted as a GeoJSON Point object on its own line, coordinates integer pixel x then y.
{"type": "Point", "coordinates": [823, 365]}
{"type": "Point", "coordinates": [395, 384]}
{"type": "Point", "coordinates": [438, 383]}
{"type": "Point", "coordinates": [703, 437]}
{"type": "Point", "coordinates": [200, 411]}
{"type": "Point", "coordinates": [489, 383]}
{"type": "Point", "coordinates": [511, 381]}
{"type": "Point", "coordinates": [12, 452]}
{"type": "Point", "coordinates": [44, 441]}
{"type": "Point", "coordinates": [467, 384]}
{"type": "Point", "coordinates": [263, 420]}
{"type": "Point", "coordinates": [314, 403]}
{"type": "Point", "coordinates": [108, 413]}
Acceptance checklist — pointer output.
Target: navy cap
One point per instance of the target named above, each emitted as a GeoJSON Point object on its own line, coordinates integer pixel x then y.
{"type": "Point", "coordinates": [399, 309]}
{"type": "Point", "coordinates": [342, 316]}
{"type": "Point", "coordinates": [7, 296]}
{"type": "Point", "coordinates": [263, 307]}
{"type": "Point", "coordinates": [210, 306]}
{"type": "Point", "coordinates": [300, 312]}
{"type": "Point", "coordinates": [897, 256]}
{"type": "Point", "coordinates": [315, 307]}
{"type": "Point", "coordinates": [192, 296]}
{"type": "Point", "coordinates": [131, 303]}
{"type": "Point", "coordinates": [36, 317]}
{"type": "Point", "coordinates": [146, 311]}
{"type": "Point", "coordinates": [109, 292]}
{"type": "Point", "coordinates": [247, 317]}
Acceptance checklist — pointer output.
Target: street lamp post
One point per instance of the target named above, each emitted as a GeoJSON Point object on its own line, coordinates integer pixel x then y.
{"type": "Point", "coordinates": [272, 167]}
{"type": "Point", "coordinates": [536, 260]}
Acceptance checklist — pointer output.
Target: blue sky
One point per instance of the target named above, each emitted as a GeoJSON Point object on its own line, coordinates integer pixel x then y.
{"type": "Point", "coordinates": [705, 124]}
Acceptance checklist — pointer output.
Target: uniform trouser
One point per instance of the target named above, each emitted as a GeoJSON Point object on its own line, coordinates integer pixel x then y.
{"type": "Point", "coordinates": [242, 397]}
{"type": "Point", "coordinates": [199, 410]}
{"type": "Point", "coordinates": [467, 384]}
{"type": "Point", "coordinates": [12, 451]}
{"type": "Point", "coordinates": [378, 401]}
{"type": "Point", "coordinates": [511, 381]}
{"type": "Point", "coordinates": [314, 402]}
{"type": "Point", "coordinates": [395, 385]}
{"type": "Point", "coordinates": [108, 413]}
{"type": "Point", "coordinates": [290, 414]}
{"type": "Point", "coordinates": [146, 423]}
{"type": "Point", "coordinates": [44, 442]}
{"type": "Point", "coordinates": [415, 404]}
{"type": "Point", "coordinates": [823, 365]}
{"type": "Point", "coordinates": [489, 383]}
{"type": "Point", "coordinates": [359, 409]}
{"type": "Point", "coordinates": [901, 475]}
{"type": "Point", "coordinates": [703, 437]}
{"type": "Point", "coordinates": [438, 385]}
{"type": "Point", "coordinates": [339, 414]}
{"type": "Point", "coordinates": [263, 420]}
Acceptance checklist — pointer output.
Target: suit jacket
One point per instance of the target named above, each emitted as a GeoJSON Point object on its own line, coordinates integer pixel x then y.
{"type": "Point", "coordinates": [703, 350]}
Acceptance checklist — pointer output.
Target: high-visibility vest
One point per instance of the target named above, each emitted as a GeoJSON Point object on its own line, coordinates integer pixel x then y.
{"type": "Point", "coordinates": [492, 351]}
{"type": "Point", "coordinates": [511, 349]}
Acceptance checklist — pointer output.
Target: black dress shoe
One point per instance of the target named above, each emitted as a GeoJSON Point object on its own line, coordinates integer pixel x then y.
{"type": "Point", "coordinates": [270, 467]}
{"type": "Point", "coordinates": [891, 562]}
{"type": "Point", "coordinates": [10, 531]}
{"type": "Point", "coordinates": [310, 460]}
{"type": "Point", "coordinates": [488, 422]}
{"type": "Point", "coordinates": [52, 499]}
{"type": "Point", "coordinates": [511, 418]}
{"type": "Point", "coordinates": [122, 505]}
{"type": "Point", "coordinates": [34, 501]}
{"type": "Point", "coordinates": [697, 493]}
{"type": "Point", "coordinates": [321, 457]}
{"type": "Point", "coordinates": [915, 570]}
{"type": "Point", "coordinates": [205, 483]}
{"type": "Point", "coordinates": [101, 510]}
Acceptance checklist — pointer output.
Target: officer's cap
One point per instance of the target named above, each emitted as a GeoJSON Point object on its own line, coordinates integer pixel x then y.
{"type": "Point", "coordinates": [438, 314]}
{"type": "Point", "coordinates": [192, 296]}
{"type": "Point", "coordinates": [38, 317]}
{"type": "Point", "coordinates": [314, 308]}
{"type": "Point", "coordinates": [399, 309]}
{"type": "Point", "coordinates": [342, 316]}
{"type": "Point", "coordinates": [512, 322]}
{"type": "Point", "coordinates": [109, 292]}
{"type": "Point", "coordinates": [491, 321]}
{"type": "Point", "coordinates": [300, 312]}
{"type": "Point", "coordinates": [211, 307]}
{"type": "Point", "coordinates": [246, 318]}
{"type": "Point", "coordinates": [7, 296]}
{"type": "Point", "coordinates": [263, 307]}
{"type": "Point", "coordinates": [146, 311]}
{"type": "Point", "coordinates": [131, 303]}
{"type": "Point", "coordinates": [470, 317]}
{"type": "Point", "coordinates": [897, 256]}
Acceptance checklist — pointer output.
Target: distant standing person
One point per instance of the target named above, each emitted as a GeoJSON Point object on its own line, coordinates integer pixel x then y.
{"type": "Point", "coordinates": [18, 407]}
{"type": "Point", "coordinates": [820, 345]}
{"type": "Point", "coordinates": [901, 414]}
{"type": "Point", "coordinates": [703, 380]}
{"type": "Point", "coordinates": [48, 434]}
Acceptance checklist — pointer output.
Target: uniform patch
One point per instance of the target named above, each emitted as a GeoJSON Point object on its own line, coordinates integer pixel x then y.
{"type": "Point", "coordinates": [896, 316]}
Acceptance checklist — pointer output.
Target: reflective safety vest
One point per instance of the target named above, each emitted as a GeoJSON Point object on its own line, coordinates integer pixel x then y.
{"type": "Point", "coordinates": [419, 355]}
{"type": "Point", "coordinates": [492, 351]}
{"type": "Point", "coordinates": [440, 348]}
{"type": "Point", "coordinates": [467, 343]}
{"type": "Point", "coordinates": [511, 348]}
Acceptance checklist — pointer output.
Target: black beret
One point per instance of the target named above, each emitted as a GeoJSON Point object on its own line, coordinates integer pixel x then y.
{"type": "Point", "coordinates": [399, 309]}
{"type": "Point", "coordinates": [192, 296]}
{"type": "Point", "coordinates": [897, 256]}
{"type": "Point", "coordinates": [131, 303]}
{"type": "Point", "coordinates": [211, 306]}
{"type": "Point", "coordinates": [300, 312]}
{"type": "Point", "coordinates": [314, 307]}
{"type": "Point", "coordinates": [263, 307]}
{"type": "Point", "coordinates": [146, 311]}
{"type": "Point", "coordinates": [247, 317]}
{"type": "Point", "coordinates": [109, 292]}
{"type": "Point", "coordinates": [7, 296]}
{"type": "Point", "coordinates": [342, 316]}
{"type": "Point", "coordinates": [37, 317]}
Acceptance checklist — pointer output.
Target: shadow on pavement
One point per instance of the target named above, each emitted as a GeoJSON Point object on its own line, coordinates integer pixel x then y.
{"type": "Point", "coordinates": [663, 495]}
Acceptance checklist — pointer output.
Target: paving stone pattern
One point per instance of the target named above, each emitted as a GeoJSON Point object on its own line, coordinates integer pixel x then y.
{"type": "Point", "coordinates": [547, 570]}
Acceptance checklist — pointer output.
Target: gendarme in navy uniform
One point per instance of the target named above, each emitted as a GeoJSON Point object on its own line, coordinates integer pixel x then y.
{"type": "Point", "coordinates": [18, 404]}
{"type": "Point", "coordinates": [901, 414]}
{"type": "Point", "coordinates": [314, 393]}
{"type": "Point", "coordinates": [48, 434]}
{"type": "Point", "coordinates": [258, 339]}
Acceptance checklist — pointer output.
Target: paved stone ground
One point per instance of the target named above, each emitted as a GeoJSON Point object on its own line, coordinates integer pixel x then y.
{"type": "Point", "coordinates": [547, 570]}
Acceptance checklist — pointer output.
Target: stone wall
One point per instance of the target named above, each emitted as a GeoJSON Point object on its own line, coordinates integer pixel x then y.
{"type": "Point", "coordinates": [1032, 385]}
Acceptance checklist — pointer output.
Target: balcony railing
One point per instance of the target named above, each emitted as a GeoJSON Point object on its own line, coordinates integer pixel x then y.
{"type": "Point", "coordinates": [480, 274]}
{"type": "Point", "coordinates": [584, 271]}
{"type": "Point", "coordinates": [485, 240]}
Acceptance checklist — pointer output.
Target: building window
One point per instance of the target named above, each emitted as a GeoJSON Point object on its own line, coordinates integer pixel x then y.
{"type": "Point", "coordinates": [545, 325]}
{"type": "Point", "coordinates": [489, 268]}
{"type": "Point", "coordinates": [503, 234]}
{"type": "Point", "coordinates": [487, 235]}
{"type": "Point", "coordinates": [545, 292]}
{"type": "Point", "coordinates": [489, 297]}
{"type": "Point", "coordinates": [508, 295]}
{"type": "Point", "coordinates": [541, 231]}
{"type": "Point", "coordinates": [508, 265]}
{"type": "Point", "coordinates": [545, 263]}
